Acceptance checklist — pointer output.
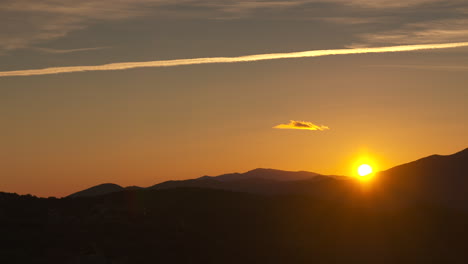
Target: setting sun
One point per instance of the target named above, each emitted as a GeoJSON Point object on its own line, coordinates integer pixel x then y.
{"type": "Point", "coordinates": [364, 170]}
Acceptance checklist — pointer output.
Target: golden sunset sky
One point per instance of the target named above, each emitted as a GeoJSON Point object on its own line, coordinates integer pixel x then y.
{"type": "Point", "coordinates": [136, 92]}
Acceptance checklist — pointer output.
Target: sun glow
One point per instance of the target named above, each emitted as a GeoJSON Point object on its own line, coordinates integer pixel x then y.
{"type": "Point", "coordinates": [364, 170]}
{"type": "Point", "coordinates": [365, 166]}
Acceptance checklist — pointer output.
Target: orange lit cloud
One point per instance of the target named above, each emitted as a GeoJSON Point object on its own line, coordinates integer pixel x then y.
{"type": "Point", "coordinates": [304, 125]}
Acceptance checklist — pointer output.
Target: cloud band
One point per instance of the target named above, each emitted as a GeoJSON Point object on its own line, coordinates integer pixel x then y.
{"type": "Point", "coordinates": [248, 58]}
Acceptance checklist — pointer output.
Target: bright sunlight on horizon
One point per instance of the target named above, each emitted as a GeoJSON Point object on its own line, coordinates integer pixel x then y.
{"type": "Point", "coordinates": [364, 170]}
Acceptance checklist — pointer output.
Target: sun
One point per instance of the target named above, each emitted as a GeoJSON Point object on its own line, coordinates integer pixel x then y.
{"type": "Point", "coordinates": [364, 170]}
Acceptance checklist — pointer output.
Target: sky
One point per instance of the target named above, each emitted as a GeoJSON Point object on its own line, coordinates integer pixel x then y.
{"type": "Point", "coordinates": [143, 91]}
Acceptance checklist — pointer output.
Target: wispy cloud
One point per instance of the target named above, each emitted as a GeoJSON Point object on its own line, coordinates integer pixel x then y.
{"type": "Point", "coordinates": [440, 31]}
{"type": "Point", "coordinates": [25, 23]}
{"type": "Point", "coordinates": [423, 67]}
{"type": "Point", "coordinates": [65, 51]}
{"type": "Point", "coordinates": [379, 4]}
{"type": "Point", "coordinates": [248, 58]}
{"type": "Point", "coordinates": [303, 125]}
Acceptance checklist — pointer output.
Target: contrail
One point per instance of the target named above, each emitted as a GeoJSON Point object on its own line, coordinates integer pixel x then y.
{"type": "Point", "coordinates": [258, 57]}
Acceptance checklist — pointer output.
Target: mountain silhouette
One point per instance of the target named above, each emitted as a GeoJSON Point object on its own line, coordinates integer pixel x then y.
{"type": "Point", "coordinates": [266, 174]}
{"type": "Point", "coordinates": [97, 190]}
{"type": "Point", "coordinates": [259, 181]}
{"type": "Point", "coordinates": [319, 184]}
{"type": "Point", "coordinates": [436, 179]}
{"type": "Point", "coordinates": [318, 219]}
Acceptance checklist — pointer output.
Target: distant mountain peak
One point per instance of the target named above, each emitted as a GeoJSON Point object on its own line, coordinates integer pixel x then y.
{"type": "Point", "coordinates": [267, 174]}
{"type": "Point", "coordinates": [463, 152]}
{"type": "Point", "coordinates": [262, 170]}
{"type": "Point", "coordinates": [97, 190]}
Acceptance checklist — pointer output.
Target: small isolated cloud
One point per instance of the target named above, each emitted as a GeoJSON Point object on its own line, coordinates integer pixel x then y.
{"type": "Point", "coordinates": [304, 125]}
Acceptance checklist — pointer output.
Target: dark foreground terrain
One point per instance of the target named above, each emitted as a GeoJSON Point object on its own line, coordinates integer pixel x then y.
{"type": "Point", "coordinates": [413, 213]}
{"type": "Point", "coordinates": [214, 226]}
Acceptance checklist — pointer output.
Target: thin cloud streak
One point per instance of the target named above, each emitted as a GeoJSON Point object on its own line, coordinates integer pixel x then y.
{"type": "Point", "coordinates": [423, 67]}
{"type": "Point", "coordinates": [65, 51]}
{"type": "Point", "coordinates": [248, 58]}
{"type": "Point", "coordinates": [302, 125]}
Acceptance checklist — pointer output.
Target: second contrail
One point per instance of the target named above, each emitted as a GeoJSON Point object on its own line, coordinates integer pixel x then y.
{"type": "Point", "coordinates": [258, 57]}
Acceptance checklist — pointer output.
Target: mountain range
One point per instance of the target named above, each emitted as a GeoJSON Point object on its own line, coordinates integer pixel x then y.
{"type": "Point", "coordinates": [260, 181]}
{"type": "Point", "coordinates": [435, 179]}
{"type": "Point", "coordinates": [412, 213]}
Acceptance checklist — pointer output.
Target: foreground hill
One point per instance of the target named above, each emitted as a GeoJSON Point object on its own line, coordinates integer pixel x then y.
{"type": "Point", "coordinates": [442, 180]}
{"type": "Point", "coordinates": [191, 225]}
